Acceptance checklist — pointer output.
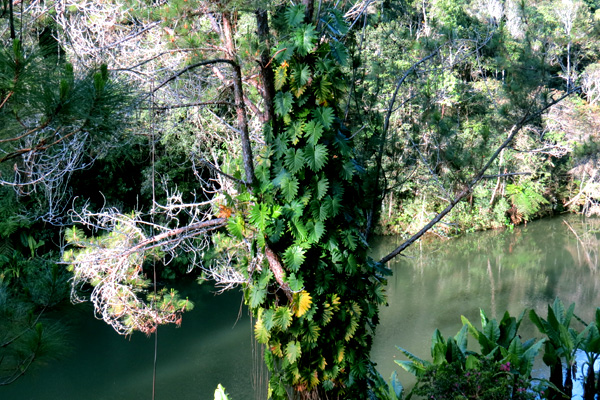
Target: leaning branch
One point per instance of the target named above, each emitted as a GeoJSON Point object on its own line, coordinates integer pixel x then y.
{"type": "Point", "coordinates": [480, 175]}
{"type": "Point", "coordinates": [191, 67]}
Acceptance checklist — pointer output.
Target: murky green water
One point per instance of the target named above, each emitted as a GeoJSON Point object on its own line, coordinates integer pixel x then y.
{"type": "Point", "coordinates": [431, 288]}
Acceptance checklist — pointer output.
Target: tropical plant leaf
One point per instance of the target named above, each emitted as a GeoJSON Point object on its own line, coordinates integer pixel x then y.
{"type": "Point", "coordinates": [303, 303]}
{"type": "Point", "coordinates": [260, 332]}
{"type": "Point", "coordinates": [282, 318]}
{"type": "Point", "coordinates": [296, 284]}
{"type": "Point", "coordinates": [313, 331]}
{"type": "Point", "coordinates": [324, 115]}
{"type": "Point", "coordinates": [348, 170]}
{"type": "Point", "coordinates": [295, 131]}
{"type": "Point", "coordinates": [314, 131]}
{"type": "Point", "coordinates": [294, 160]}
{"type": "Point", "coordinates": [289, 187]}
{"type": "Point", "coordinates": [339, 52]}
{"type": "Point", "coordinates": [318, 229]}
{"type": "Point", "coordinates": [280, 76]}
{"type": "Point", "coordinates": [316, 156]}
{"type": "Point", "coordinates": [283, 103]}
{"type": "Point", "coordinates": [305, 38]}
{"type": "Point", "coordinates": [323, 90]}
{"type": "Point", "coordinates": [294, 15]}
{"type": "Point", "coordinates": [293, 351]}
{"type": "Point", "coordinates": [324, 211]}
{"type": "Point", "coordinates": [294, 257]}
{"type": "Point", "coordinates": [322, 186]}
{"type": "Point", "coordinates": [260, 215]}
{"type": "Point", "coordinates": [257, 296]}
{"type": "Point", "coordinates": [235, 226]}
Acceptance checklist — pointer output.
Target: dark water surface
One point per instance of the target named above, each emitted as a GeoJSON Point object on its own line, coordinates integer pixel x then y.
{"type": "Point", "coordinates": [431, 287]}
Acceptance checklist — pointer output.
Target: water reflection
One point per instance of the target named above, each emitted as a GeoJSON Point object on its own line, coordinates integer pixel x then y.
{"type": "Point", "coordinates": [430, 288]}
{"type": "Point", "coordinates": [496, 271]}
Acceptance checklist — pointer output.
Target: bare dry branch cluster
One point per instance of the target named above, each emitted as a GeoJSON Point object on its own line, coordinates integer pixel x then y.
{"type": "Point", "coordinates": [116, 264]}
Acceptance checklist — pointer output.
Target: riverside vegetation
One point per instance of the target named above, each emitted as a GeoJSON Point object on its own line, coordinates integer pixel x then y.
{"type": "Point", "coordinates": [260, 145]}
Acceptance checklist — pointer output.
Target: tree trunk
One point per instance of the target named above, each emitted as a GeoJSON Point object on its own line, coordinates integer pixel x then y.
{"type": "Point", "coordinates": [238, 93]}
{"type": "Point", "coordinates": [266, 72]}
{"type": "Point", "coordinates": [309, 10]}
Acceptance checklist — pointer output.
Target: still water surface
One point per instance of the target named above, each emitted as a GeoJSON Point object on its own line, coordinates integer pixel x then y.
{"type": "Point", "coordinates": [431, 287]}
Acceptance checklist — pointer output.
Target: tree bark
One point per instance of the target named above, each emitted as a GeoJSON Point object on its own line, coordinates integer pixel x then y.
{"type": "Point", "coordinates": [266, 72]}
{"type": "Point", "coordinates": [238, 93]}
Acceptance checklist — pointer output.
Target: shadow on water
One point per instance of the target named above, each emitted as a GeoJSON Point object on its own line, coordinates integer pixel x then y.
{"type": "Point", "coordinates": [212, 346]}
{"type": "Point", "coordinates": [430, 288]}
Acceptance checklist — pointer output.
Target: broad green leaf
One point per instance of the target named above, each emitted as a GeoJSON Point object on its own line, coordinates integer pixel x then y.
{"type": "Point", "coordinates": [305, 38]}
{"type": "Point", "coordinates": [313, 130]}
{"type": "Point", "coordinates": [259, 215]}
{"type": "Point", "coordinates": [298, 229]}
{"type": "Point", "coordinates": [339, 52]}
{"type": "Point", "coordinates": [294, 15]}
{"type": "Point", "coordinates": [283, 103]}
{"type": "Point", "coordinates": [323, 90]}
{"type": "Point", "coordinates": [322, 187]}
{"type": "Point", "coordinates": [235, 226]}
{"type": "Point", "coordinates": [293, 351]}
{"type": "Point", "coordinates": [472, 330]}
{"type": "Point", "coordinates": [349, 239]}
{"type": "Point", "coordinates": [316, 156]}
{"type": "Point", "coordinates": [296, 284]}
{"type": "Point", "coordinates": [257, 296]}
{"type": "Point", "coordinates": [304, 302]}
{"type": "Point", "coordinates": [282, 318]}
{"type": "Point", "coordinates": [324, 115]}
{"type": "Point", "coordinates": [318, 231]}
{"type": "Point", "coordinates": [351, 329]}
{"type": "Point", "coordinates": [301, 74]}
{"type": "Point", "coordinates": [294, 160]}
{"type": "Point", "coordinates": [294, 257]}
{"type": "Point", "coordinates": [324, 211]}
{"type": "Point", "coordinates": [348, 170]}
{"type": "Point", "coordinates": [289, 187]}
{"type": "Point", "coordinates": [295, 131]}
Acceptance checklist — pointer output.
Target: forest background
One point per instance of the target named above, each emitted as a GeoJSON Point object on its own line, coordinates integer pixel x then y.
{"type": "Point", "coordinates": [199, 131]}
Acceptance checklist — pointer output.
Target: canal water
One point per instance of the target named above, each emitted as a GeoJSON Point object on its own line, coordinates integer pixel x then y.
{"type": "Point", "coordinates": [434, 283]}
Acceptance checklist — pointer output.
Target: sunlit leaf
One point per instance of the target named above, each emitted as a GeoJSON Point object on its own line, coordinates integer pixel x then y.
{"type": "Point", "coordinates": [304, 303]}
{"type": "Point", "coordinates": [296, 284]}
{"type": "Point", "coordinates": [260, 332]}
{"type": "Point", "coordinates": [282, 318]}
{"type": "Point", "coordinates": [294, 257]}
{"type": "Point", "coordinates": [293, 351]}
{"type": "Point", "coordinates": [305, 38]}
{"type": "Point", "coordinates": [280, 76]}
